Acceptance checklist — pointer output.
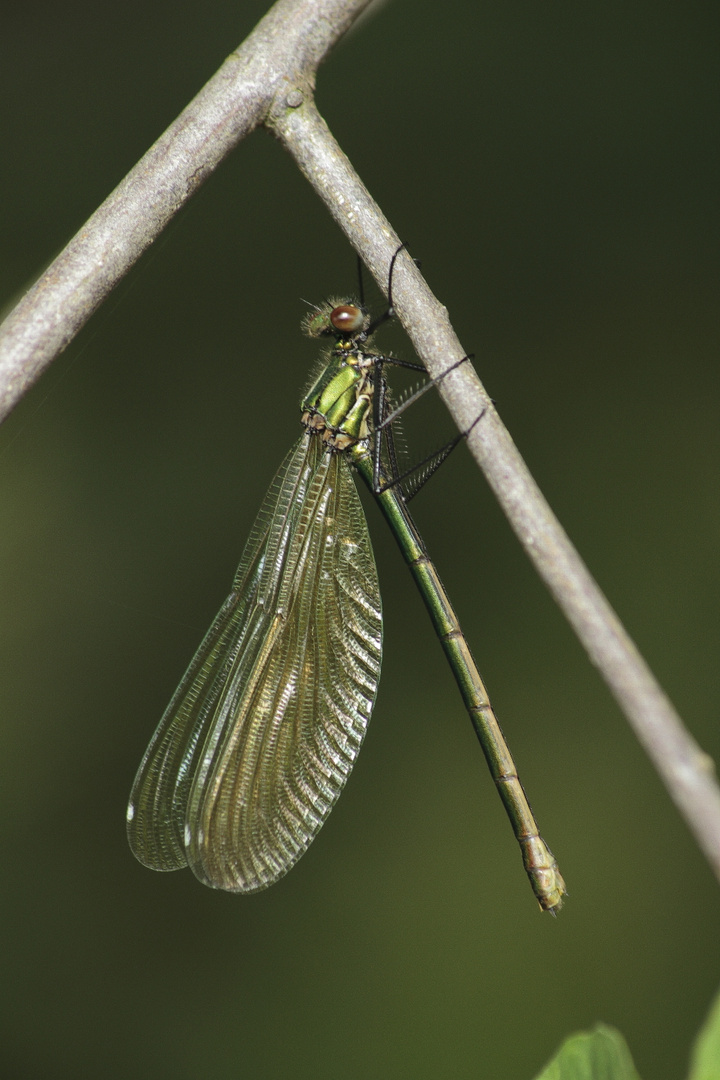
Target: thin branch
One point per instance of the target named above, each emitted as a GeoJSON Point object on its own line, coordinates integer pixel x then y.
{"type": "Point", "coordinates": [270, 79]}
{"type": "Point", "coordinates": [284, 48]}
{"type": "Point", "coordinates": [687, 772]}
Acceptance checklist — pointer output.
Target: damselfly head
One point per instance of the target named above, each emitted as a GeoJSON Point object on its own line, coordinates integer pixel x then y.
{"type": "Point", "coordinates": [337, 317]}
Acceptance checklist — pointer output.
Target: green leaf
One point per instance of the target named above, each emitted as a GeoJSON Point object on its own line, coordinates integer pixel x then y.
{"type": "Point", "coordinates": [705, 1061]}
{"type": "Point", "coordinates": [601, 1054]}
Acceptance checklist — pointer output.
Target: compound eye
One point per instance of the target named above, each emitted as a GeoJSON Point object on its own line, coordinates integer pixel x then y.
{"type": "Point", "coordinates": [347, 318]}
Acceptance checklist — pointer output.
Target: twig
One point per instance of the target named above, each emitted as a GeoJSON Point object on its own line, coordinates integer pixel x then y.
{"type": "Point", "coordinates": [270, 80]}
{"type": "Point", "coordinates": [686, 770]}
{"type": "Point", "coordinates": [285, 47]}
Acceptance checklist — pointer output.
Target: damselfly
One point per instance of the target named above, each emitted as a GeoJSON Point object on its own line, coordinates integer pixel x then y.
{"type": "Point", "coordinates": [265, 726]}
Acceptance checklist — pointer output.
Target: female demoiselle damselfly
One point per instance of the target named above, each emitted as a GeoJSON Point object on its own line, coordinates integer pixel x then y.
{"type": "Point", "coordinates": [265, 726]}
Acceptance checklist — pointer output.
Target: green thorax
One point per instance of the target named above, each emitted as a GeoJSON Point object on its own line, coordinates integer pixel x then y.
{"type": "Point", "coordinates": [339, 403]}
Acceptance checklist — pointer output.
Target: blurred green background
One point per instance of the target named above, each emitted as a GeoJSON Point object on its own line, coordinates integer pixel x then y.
{"type": "Point", "coordinates": [555, 167]}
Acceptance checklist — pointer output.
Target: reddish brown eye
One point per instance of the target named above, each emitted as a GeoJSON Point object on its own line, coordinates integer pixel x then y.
{"type": "Point", "coordinates": [347, 318]}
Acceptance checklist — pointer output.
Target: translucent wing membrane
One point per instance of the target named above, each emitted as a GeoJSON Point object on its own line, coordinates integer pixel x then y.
{"type": "Point", "coordinates": [261, 735]}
